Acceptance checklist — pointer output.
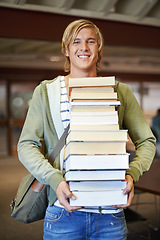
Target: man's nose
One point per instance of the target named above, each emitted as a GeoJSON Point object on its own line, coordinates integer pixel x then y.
{"type": "Point", "coordinates": [84, 46]}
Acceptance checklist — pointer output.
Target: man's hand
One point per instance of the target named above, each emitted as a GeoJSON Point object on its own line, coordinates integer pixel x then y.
{"type": "Point", "coordinates": [128, 190]}
{"type": "Point", "coordinates": [63, 194]}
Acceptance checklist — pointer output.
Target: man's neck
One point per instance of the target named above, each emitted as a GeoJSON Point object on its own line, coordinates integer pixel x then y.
{"type": "Point", "coordinates": [76, 73]}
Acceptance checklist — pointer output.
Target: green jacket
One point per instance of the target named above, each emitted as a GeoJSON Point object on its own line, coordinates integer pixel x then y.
{"type": "Point", "coordinates": [39, 126]}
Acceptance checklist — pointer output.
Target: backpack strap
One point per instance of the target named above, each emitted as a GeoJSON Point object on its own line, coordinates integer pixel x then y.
{"type": "Point", "coordinates": [60, 144]}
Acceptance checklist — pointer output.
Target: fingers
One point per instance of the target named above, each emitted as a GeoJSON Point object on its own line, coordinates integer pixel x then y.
{"type": "Point", "coordinates": [128, 190]}
{"type": "Point", "coordinates": [64, 194]}
{"type": "Point", "coordinates": [65, 203]}
{"type": "Point", "coordinates": [130, 197]}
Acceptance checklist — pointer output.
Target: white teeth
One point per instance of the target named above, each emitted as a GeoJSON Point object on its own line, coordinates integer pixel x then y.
{"type": "Point", "coordinates": [83, 56]}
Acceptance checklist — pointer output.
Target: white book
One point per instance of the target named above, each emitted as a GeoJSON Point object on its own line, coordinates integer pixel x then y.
{"type": "Point", "coordinates": [93, 96]}
{"type": "Point", "coordinates": [95, 148]}
{"type": "Point", "coordinates": [93, 199]}
{"type": "Point", "coordinates": [81, 114]}
{"type": "Point", "coordinates": [86, 108]}
{"type": "Point", "coordinates": [94, 119]}
{"type": "Point", "coordinates": [97, 186]}
{"type": "Point", "coordinates": [94, 127]}
{"type": "Point", "coordinates": [97, 175]}
{"type": "Point", "coordinates": [92, 81]}
{"type": "Point", "coordinates": [93, 90]}
{"type": "Point", "coordinates": [90, 162]}
{"type": "Point", "coordinates": [95, 103]}
{"type": "Point", "coordinates": [91, 136]}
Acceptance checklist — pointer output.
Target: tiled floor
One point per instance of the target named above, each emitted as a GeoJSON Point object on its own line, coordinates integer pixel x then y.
{"type": "Point", "coordinates": [11, 172]}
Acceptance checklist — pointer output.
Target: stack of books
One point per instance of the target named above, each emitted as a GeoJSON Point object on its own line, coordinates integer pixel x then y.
{"type": "Point", "coordinates": [95, 152]}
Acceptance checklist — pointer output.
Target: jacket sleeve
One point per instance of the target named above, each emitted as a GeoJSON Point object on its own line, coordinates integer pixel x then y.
{"type": "Point", "coordinates": [30, 141]}
{"type": "Point", "coordinates": [132, 118]}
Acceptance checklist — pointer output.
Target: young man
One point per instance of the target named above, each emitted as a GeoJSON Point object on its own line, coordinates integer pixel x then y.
{"type": "Point", "coordinates": [46, 120]}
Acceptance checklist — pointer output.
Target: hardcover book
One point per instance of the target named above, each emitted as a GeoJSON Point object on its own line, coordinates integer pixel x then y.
{"type": "Point", "coordinates": [97, 186]}
{"type": "Point", "coordinates": [95, 148]}
{"type": "Point", "coordinates": [92, 175]}
{"type": "Point", "coordinates": [93, 127]}
{"type": "Point", "coordinates": [104, 198]}
{"type": "Point", "coordinates": [94, 119]}
{"type": "Point", "coordinates": [86, 162]}
{"type": "Point", "coordinates": [92, 82]}
{"type": "Point", "coordinates": [95, 136]}
{"type": "Point", "coordinates": [93, 96]}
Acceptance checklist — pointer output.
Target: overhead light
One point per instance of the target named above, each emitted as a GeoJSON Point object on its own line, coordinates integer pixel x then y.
{"type": "Point", "coordinates": [55, 58]}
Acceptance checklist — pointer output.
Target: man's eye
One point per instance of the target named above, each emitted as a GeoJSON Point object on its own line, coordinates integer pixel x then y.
{"type": "Point", "coordinates": [91, 41]}
{"type": "Point", "coordinates": [76, 42]}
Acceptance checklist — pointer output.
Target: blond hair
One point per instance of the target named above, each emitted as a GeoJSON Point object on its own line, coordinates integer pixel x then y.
{"type": "Point", "coordinates": [70, 34]}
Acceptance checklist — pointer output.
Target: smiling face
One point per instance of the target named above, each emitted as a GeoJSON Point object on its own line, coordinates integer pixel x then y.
{"type": "Point", "coordinates": [83, 53]}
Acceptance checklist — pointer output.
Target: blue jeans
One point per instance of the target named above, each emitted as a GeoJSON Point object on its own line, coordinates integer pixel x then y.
{"type": "Point", "coordinates": [60, 224]}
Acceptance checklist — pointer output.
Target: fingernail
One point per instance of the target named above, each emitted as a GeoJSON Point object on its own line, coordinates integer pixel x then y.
{"type": "Point", "coordinates": [73, 198]}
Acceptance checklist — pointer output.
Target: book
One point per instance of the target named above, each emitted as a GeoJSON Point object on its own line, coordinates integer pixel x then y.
{"type": "Point", "coordinates": [95, 148]}
{"type": "Point", "coordinates": [94, 119]}
{"type": "Point", "coordinates": [93, 199]}
{"type": "Point", "coordinates": [91, 136]}
{"type": "Point", "coordinates": [93, 96]}
{"type": "Point", "coordinates": [92, 82]}
{"type": "Point", "coordinates": [92, 89]}
{"type": "Point", "coordinates": [80, 114]}
{"type": "Point", "coordinates": [95, 103]}
{"type": "Point", "coordinates": [94, 127]}
{"type": "Point", "coordinates": [97, 175]}
{"type": "Point", "coordinates": [97, 186]}
{"type": "Point", "coordinates": [87, 108]}
{"type": "Point", "coordinates": [86, 162]}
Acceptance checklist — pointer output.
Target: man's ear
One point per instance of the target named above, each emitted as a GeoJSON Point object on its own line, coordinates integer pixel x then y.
{"type": "Point", "coordinates": [66, 53]}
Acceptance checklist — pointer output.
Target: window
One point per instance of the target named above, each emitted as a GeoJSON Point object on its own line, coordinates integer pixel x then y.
{"type": "Point", "coordinates": [14, 103]}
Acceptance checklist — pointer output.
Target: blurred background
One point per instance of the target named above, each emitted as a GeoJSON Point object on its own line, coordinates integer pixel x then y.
{"type": "Point", "coordinates": [30, 51]}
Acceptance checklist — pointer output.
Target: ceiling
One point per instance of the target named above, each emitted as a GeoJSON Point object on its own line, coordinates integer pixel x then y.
{"type": "Point", "coordinates": [41, 53]}
{"type": "Point", "coordinates": [135, 11]}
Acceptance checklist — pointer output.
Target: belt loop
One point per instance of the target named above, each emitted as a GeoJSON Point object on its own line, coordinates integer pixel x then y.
{"type": "Point", "coordinates": [100, 210]}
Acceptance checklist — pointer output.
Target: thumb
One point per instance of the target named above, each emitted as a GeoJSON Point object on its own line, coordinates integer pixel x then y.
{"type": "Point", "coordinates": [129, 184]}
{"type": "Point", "coordinates": [68, 193]}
